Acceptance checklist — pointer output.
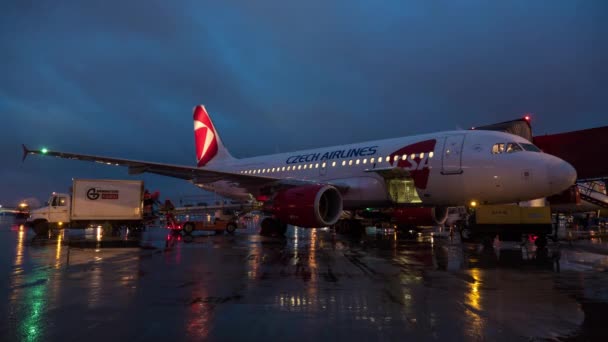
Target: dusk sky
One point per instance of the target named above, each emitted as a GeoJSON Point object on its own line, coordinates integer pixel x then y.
{"type": "Point", "coordinates": [120, 78]}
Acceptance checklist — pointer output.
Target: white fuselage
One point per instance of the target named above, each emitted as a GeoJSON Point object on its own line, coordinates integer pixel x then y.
{"type": "Point", "coordinates": [446, 169]}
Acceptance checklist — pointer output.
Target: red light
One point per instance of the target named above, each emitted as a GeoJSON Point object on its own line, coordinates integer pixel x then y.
{"type": "Point", "coordinates": [527, 117]}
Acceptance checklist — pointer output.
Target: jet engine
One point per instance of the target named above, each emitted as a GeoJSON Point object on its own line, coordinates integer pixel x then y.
{"type": "Point", "coordinates": [420, 216]}
{"type": "Point", "coordinates": [307, 206]}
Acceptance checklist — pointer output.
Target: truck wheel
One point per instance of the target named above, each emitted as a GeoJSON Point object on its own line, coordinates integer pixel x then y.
{"type": "Point", "coordinates": [466, 235]}
{"type": "Point", "coordinates": [231, 228]}
{"type": "Point", "coordinates": [188, 228]}
{"type": "Point", "coordinates": [41, 228]}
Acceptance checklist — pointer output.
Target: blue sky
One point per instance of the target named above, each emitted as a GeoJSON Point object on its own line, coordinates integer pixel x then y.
{"type": "Point", "coordinates": [121, 78]}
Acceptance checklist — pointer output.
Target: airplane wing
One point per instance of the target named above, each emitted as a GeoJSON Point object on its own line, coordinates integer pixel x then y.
{"type": "Point", "coordinates": [196, 175]}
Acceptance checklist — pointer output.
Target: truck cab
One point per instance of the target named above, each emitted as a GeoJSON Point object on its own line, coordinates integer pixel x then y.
{"type": "Point", "coordinates": [55, 214]}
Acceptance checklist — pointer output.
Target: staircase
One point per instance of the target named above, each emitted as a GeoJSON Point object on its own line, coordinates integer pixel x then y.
{"type": "Point", "coordinates": [594, 192]}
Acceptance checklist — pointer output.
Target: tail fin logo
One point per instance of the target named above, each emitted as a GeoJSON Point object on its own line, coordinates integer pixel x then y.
{"type": "Point", "coordinates": [204, 136]}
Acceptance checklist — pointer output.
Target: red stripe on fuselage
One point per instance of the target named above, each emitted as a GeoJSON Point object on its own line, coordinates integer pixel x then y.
{"type": "Point", "coordinates": [418, 167]}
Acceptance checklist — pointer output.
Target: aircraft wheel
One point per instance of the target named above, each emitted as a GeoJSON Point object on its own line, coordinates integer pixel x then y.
{"type": "Point", "coordinates": [340, 227]}
{"type": "Point", "coordinates": [282, 229]}
{"type": "Point", "coordinates": [267, 227]}
{"type": "Point", "coordinates": [272, 227]}
{"type": "Point", "coordinates": [188, 228]}
{"type": "Point", "coordinates": [466, 234]}
{"type": "Point", "coordinates": [355, 228]}
{"type": "Point", "coordinates": [231, 228]}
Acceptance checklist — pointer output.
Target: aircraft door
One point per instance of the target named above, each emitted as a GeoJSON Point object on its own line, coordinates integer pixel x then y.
{"type": "Point", "coordinates": [451, 162]}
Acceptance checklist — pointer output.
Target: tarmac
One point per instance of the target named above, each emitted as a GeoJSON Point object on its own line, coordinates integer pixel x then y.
{"type": "Point", "coordinates": [311, 285]}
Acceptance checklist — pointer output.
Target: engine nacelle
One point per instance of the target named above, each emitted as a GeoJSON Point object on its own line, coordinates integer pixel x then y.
{"type": "Point", "coordinates": [420, 216]}
{"type": "Point", "coordinates": [308, 206]}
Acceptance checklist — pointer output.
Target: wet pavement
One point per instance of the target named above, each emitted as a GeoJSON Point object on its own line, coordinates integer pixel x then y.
{"type": "Point", "coordinates": [312, 285]}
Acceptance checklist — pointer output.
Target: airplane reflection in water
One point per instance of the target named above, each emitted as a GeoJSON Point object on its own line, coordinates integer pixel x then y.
{"type": "Point", "coordinates": [380, 285]}
{"type": "Point", "coordinates": [478, 274]}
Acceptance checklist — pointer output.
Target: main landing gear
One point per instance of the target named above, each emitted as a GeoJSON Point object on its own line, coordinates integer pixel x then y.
{"type": "Point", "coordinates": [349, 226]}
{"type": "Point", "coordinates": [272, 227]}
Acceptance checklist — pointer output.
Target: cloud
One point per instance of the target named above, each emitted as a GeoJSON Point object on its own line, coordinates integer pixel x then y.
{"type": "Point", "coordinates": [121, 78]}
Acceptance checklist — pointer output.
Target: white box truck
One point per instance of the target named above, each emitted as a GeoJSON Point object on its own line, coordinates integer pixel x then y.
{"type": "Point", "coordinates": [92, 203]}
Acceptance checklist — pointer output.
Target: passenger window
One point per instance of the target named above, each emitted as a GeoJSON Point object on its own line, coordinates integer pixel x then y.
{"type": "Point", "coordinates": [513, 147]}
{"type": "Point", "coordinates": [61, 202]}
{"type": "Point", "coordinates": [498, 148]}
{"type": "Point", "coordinates": [333, 164]}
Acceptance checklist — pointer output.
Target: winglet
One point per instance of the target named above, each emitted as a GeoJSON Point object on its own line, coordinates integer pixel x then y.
{"type": "Point", "coordinates": [26, 151]}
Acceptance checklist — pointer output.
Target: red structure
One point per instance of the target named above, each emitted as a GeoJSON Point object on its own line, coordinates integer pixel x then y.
{"type": "Point", "coordinates": [584, 149]}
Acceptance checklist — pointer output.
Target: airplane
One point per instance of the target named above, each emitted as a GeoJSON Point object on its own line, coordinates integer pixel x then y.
{"type": "Point", "coordinates": [416, 177]}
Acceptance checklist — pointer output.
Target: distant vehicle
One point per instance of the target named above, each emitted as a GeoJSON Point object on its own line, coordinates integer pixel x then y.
{"type": "Point", "coordinates": [93, 202]}
{"type": "Point", "coordinates": [416, 177]}
{"type": "Point", "coordinates": [455, 216]}
{"type": "Point", "coordinates": [219, 223]}
{"type": "Point", "coordinates": [509, 222]}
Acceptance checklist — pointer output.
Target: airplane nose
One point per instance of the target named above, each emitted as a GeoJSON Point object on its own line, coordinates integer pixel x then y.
{"type": "Point", "coordinates": [561, 176]}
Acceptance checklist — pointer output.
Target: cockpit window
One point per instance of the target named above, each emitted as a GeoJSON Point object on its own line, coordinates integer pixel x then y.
{"type": "Point", "coordinates": [530, 147]}
{"type": "Point", "coordinates": [498, 148]}
{"type": "Point", "coordinates": [513, 147]}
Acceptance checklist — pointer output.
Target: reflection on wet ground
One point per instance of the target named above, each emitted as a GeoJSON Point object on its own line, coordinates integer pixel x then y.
{"type": "Point", "coordinates": [311, 285]}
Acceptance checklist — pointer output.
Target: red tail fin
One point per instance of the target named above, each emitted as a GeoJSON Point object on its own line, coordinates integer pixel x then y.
{"type": "Point", "coordinates": [207, 141]}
